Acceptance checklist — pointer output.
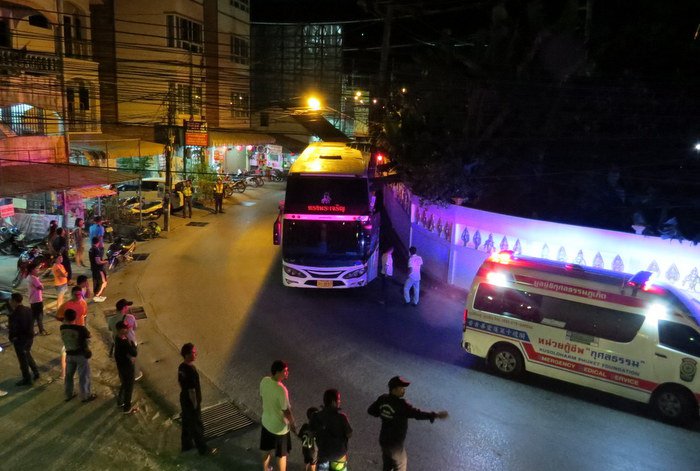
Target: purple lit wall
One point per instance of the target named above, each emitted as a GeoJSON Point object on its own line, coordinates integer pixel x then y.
{"type": "Point", "coordinates": [454, 240]}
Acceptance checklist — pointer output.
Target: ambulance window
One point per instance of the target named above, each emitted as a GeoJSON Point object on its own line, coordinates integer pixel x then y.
{"type": "Point", "coordinates": [508, 302]}
{"type": "Point", "coordinates": [679, 337]}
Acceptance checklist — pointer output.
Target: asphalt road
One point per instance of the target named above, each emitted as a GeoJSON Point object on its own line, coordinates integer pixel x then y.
{"type": "Point", "coordinates": [219, 286]}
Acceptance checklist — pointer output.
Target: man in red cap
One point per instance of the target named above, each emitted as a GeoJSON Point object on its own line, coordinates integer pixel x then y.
{"type": "Point", "coordinates": [395, 412]}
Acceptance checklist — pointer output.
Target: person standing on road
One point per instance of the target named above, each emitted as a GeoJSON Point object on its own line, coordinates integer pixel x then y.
{"type": "Point", "coordinates": [21, 333]}
{"type": "Point", "coordinates": [218, 196]}
{"type": "Point", "coordinates": [60, 279]}
{"type": "Point", "coordinates": [125, 353]}
{"type": "Point", "coordinates": [124, 313]}
{"type": "Point", "coordinates": [413, 281]}
{"type": "Point", "coordinates": [60, 246]}
{"type": "Point", "coordinates": [97, 229]}
{"type": "Point", "coordinates": [387, 270]}
{"type": "Point", "coordinates": [277, 418]}
{"type": "Point", "coordinates": [76, 340]}
{"type": "Point", "coordinates": [98, 267]}
{"type": "Point", "coordinates": [53, 226]}
{"type": "Point", "coordinates": [309, 449]}
{"type": "Point", "coordinates": [191, 403]}
{"type": "Point", "coordinates": [79, 305]}
{"type": "Point", "coordinates": [79, 236]}
{"type": "Point", "coordinates": [395, 412]}
{"type": "Point", "coordinates": [332, 431]}
{"type": "Point", "coordinates": [187, 195]}
{"type": "Point", "coordinates": [36, 298]}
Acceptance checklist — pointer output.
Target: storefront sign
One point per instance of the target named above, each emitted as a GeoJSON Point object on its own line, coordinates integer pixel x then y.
{"type": "Point", "coordinates": [7, 210]}
{"type": "Point", "coordinates": [196, 133]}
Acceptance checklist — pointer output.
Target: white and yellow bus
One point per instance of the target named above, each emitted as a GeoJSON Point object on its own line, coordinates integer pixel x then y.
{"type": "Point", "coordinates": [607, 330]}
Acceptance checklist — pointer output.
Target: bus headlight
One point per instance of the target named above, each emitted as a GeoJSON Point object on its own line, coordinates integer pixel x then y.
{"type": "Point", "coordinates": [355, 273]}
{"type": "Point", "coordinates": [293, 272]}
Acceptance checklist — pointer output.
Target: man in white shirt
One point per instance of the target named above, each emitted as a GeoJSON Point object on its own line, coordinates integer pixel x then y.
{"type": "Point", "coordinates": [277, 418]}
{"type": "Point", "coordinates": [413, 281]}
{"type": "Point", "coordinates": [387, 271]}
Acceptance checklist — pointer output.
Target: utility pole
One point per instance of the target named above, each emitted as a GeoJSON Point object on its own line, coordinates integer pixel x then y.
{"type": "Point", "coordinates": [168, 161]}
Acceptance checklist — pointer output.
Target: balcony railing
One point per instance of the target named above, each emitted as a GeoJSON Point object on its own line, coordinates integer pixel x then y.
{"type": "Point", "coordinates": [16, 61]}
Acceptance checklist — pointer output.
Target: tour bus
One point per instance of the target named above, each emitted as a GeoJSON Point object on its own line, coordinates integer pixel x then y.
{"type": "Point", "coordinates": [620, 333]}
{"type": "Point", "coordinates": [328, 225]}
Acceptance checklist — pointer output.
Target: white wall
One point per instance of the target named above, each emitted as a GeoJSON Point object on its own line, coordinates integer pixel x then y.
{"type": "Point", "coordinates": [454, 240]}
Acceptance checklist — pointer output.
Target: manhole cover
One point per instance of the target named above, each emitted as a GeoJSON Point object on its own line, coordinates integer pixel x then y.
{"type": "Point", "coordinates": [197, 224]}
{"type": "Point", "coordinates": [137, 311]}
{"type": "Point", "coordinates": [140, 256]}
{"type": "Point", "coordinates": [221, 419]}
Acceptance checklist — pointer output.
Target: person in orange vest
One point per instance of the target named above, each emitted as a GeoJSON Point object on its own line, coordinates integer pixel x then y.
{"type": "Point", "coordinates": [187, 194]}
{"type": "Point", "coordinates": [218, 196]}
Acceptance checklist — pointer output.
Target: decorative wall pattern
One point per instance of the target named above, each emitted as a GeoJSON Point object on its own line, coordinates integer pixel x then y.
{"type": "Point", "coordinates": [672, 261]}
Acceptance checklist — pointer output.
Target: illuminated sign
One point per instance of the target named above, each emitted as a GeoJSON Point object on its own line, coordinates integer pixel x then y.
{"type": "Point", "coordinates": [196, 133]}
{"type": "Point", "coordinates": [326, 208]}
{"type": "Point", "coordinates": [7, 210]}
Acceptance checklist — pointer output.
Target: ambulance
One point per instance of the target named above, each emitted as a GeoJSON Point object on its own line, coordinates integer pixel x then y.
{"type": "Point", "coordinates": [616, 332]}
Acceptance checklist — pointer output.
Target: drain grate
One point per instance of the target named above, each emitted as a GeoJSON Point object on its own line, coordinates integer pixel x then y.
{"type": "Point", "coordinates": [223, 418]}
{"type": "Point", "coordinates": [139, 256]}
{"type": "Point", "coordinates": [138, 311]}
{"type": "Point", "coordinates": [197, 224]}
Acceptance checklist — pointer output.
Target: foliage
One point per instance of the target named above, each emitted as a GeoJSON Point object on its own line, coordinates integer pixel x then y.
{"type": "Point", "coordinates": [140, 165]}
{"type": "Point", "coordinates": [543, 119]}
{"type": "Point", "coordinates": [203, 177]}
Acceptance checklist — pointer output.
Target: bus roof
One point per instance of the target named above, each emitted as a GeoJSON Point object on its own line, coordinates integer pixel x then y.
{"type": "Point", "coordinates": [331, 158]}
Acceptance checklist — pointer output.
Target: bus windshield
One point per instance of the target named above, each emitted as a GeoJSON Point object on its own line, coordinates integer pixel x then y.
{"type": "Point", "coordinates": [324, 243]}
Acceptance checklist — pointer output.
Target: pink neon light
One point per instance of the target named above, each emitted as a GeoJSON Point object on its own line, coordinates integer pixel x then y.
{"type": "Point", "coordinates": [325, 217]}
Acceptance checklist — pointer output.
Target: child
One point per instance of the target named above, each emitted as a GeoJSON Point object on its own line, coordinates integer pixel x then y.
{"type": "Point", "coordinates": [82, 281]}
{"type": "Point", "coordinates": [308, 442]}
{"type": "Point", "coordinates": [60, 279]}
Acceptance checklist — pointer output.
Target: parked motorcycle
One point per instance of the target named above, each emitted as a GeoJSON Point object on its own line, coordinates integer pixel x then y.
{"type": "Point", "coordinates": [34, 256]}
{"type": "Point", "coordinates": [278, 175]}
{"type": "Point", "coordinates": [147, 210]}
{"type": "Point", "coordinates": [254, 179]}
{"type": "Point", "coordinates": [120, 251]}
{"type": "Point", "coordinates": [11, 240]}
{"type": "Point", "coordinates": [231, 185]}
{"type": "Point", "coordinates": [149, 231]}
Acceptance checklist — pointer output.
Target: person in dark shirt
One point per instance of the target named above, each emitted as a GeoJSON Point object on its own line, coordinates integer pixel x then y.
{"type": "Point", "coordinates": [332, 431]}
{"type": "Point", "coordinates": [191, 403]}
{"type": "Point", "coordinates": [21, 327]}
{"type": "Point", "coordinates": [60, 246]}
{"type": "Point", "coordinates": [98, 267]}
{"type": "Point", "coordinates": [125, 355]}
{"type": "Point", "coordinates": [308, 442]}
{"type": "Point", "coordinates": [395, 412]}
{"type": "Point", "coordinates": [76, 342]}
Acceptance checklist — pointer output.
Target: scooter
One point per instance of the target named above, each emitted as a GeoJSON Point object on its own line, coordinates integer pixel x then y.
{"type": "Point", "coordinates": [232, 185]}
{"type": "Point", "coordinates": [119, 252]}
{"type": "Point", "coordinates": [11, 240]}
{"type": "Point", "coordinates": [149, 231]}
{"type": "Point", "coordinates": [32, 256]}
{"type": "Point", "coordinates": [254, 179]}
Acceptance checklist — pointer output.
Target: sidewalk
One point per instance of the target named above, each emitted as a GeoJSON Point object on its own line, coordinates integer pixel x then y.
{"type": "Point", "coordinates": [38, 429]}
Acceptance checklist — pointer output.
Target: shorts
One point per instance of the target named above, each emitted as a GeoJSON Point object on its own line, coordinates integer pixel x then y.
{"type": "Point", "coordinates": [61, 289]}
{"type": "Point", "coordinates": [310, 455]}
{"type": "Point", "coordinates": [282, 444]}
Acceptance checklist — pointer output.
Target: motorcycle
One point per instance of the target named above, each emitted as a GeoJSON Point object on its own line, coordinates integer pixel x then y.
{"type": "Point", "coordinates": [149, 231]}
{"type": "Point", "coordinates": [119, 252]}
{"type": "Point", "coordinates": [254, 179]}
{"type": "Point", "coordinates": [32, 256]}
{"type": "Point", "coordinates": [232, 185]}
{"type": "Point", "coordinates": [148, 210]}
{"type": "Point", "coordinates": [11, 240]}
{"type": "Point", "coordinates": [278, 175]}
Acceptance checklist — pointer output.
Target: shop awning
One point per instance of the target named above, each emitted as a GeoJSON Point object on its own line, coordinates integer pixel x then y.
{"type": "Point", "coordinates": [319, 126]}
{"type": "Point", "coordinates": [235, 138]}
{"type": "Point", "coordinates": [18, 180]}
{"type": "Point", "coordinates": [289, 143]}
{"type": "Point", "coordinates": [115, 146]}
{"type": "Point", "coordinates": [91, 192]}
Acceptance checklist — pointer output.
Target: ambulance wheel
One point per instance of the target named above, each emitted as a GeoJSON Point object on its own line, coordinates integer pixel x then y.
{"type": "Point", "coordinates": [506, 360]}
{"type": "Point", "coordinates": [674, 404]}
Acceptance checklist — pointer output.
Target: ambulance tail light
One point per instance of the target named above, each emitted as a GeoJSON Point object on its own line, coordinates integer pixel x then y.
{"type": "Point", "coordinates": [464, 323]}
{"type": "Point", "coordinates": [497, 278]}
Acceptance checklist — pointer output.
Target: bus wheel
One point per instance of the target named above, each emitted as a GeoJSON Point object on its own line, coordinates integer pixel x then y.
{"type": "Point", "coordinates": [506, 360]}
{"type": "Point", "coordinates": [674, 404]}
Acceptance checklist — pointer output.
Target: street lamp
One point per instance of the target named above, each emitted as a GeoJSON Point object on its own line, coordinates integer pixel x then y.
{"type": "Point", "coordinates": [313, 103]}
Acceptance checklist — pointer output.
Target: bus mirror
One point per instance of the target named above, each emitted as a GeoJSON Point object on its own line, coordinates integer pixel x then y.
{"type": "Point", "coordinates": [276, 231]}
